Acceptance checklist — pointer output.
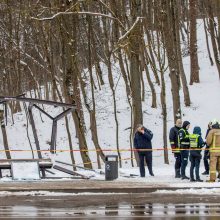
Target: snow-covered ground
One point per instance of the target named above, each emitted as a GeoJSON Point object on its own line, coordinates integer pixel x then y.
{"type": "Point", "coordinates": [205, 98]}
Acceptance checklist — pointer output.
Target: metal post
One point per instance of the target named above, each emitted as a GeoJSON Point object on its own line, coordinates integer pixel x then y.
{"type": "Point", "coordinates": [53, 137]}
{"type": "Point", "coordinates": [31, 118]}
{"type": "Point", "coordinates": [4, 135]}
{"type": "Point", "coordinates": [54, 129]}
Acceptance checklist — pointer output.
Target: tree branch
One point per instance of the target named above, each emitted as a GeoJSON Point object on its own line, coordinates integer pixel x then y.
{"type": "Point", "coordinates": [77, 13]}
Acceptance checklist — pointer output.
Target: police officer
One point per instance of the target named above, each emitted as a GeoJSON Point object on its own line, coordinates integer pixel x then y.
{"type": "Point", "coordinates": [173, 136]}
{"type": "Point", "coordinates": [196, 143]}
{"type": "Point", "coordinates": [184, 144]}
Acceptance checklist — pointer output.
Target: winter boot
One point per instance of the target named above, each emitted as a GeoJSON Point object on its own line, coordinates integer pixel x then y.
{"type": "Point", "coordinates": [199, 180]}
{"type": "Point", "coordinates": [205, 173]}
{"type": "Point", "coordinates": [177, 173]}
{"type": "Point", "coordinates": [151, 173]}
{"type": "Point", "coordinates": [210, 181]}
{"type": "Point", "coordinates": [185, 178]}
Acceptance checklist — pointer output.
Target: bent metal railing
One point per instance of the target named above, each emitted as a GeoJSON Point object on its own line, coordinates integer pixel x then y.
{"type": "Point", "coordinates": [68, 108]}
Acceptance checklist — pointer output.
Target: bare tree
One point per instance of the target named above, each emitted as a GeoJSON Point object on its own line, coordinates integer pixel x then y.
{"type": "Point", "coordinates": [194, 76]}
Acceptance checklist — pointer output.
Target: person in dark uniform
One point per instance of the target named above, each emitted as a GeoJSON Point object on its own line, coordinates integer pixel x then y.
{"type": "Point", "coordinates": [196, 143]}
{"type": "Point", "coordinates": [173, 136]}
{"type": "Point", "coordinates": [184, 144]}
{"type": "Point", "coordinates": [142, 142]}
{"type": "Point", "coordinates": [206, 153]}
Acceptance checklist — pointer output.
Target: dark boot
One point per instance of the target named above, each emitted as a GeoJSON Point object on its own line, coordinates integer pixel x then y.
{"type": "Point", "coordinates": [205, 173]}
{"type": "Point", "coordinates": [199, 180]}
{"type": "Point", "coordinates": [185, 178]}
{"type": "Point", "coordinates": [192, 180]}
{"type": "Point", "coordinates": [151, 173]}
{"type": "Point", "coordinates": [177, 171]}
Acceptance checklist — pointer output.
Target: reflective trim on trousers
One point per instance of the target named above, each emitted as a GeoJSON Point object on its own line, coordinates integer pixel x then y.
{"type": "Point", "coordinates": [212, 171]}
{"type": "Point", "coordinates": [214, 151]}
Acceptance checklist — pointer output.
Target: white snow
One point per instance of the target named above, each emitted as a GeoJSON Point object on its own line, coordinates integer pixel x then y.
{"type": "Point", "coordinates": [48, 193]}
{"type": "Point", "coordinates": [30, 170]}
{"type": "Point", "coordinates": [203, 191]}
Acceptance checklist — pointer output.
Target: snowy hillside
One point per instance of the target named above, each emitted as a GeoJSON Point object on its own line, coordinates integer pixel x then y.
{"type": "Point", "coordinates": [205, 98]}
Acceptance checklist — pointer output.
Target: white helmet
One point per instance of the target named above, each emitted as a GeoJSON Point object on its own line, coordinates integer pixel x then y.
{"type": "Point", "coordinates": [215, 121]}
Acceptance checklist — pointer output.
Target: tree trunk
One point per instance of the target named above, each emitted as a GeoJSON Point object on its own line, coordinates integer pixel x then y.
{"type": "Point", "coordinates": [213, 37]}
{"type": "Point", "coordinates": [169, 40]}
{"type": "Point", "coordinates": [4, 135]}
{"type": "Point", "coordinates": [194, 74]}
{"type": "Point", "coordinates": [135, 73]}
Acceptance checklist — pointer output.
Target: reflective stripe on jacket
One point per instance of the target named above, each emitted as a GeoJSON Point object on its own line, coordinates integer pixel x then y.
{"type": "Point", "coordinates": [173, 138]}
{"type": "Point", "coordinates": [213, 140]}
{"type": "Point", "coordinates": [194, 140]}
{"type": "Point", "coordinates": [183, 139]}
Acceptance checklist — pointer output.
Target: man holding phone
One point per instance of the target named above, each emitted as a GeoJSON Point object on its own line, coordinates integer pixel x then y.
{"type": "Point", "coordinates": [142, 142]}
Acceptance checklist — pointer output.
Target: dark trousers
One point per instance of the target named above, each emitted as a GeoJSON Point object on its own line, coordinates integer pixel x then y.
{"type": "Point", "coordinates": [184, 161]}
{"type": "Point", "coordinates": [206, 160]}
{"type": "Point", "coordinates": [195, 163]}
{"type": "Point", "coordinates": [145, 157]}
{"type": "Point", "coordinates": [178, 161]}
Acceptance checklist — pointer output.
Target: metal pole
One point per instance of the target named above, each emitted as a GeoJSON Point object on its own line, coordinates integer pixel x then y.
{"type": "Point", "coordinates": [53, 137]}
{"type": "Point", "coordinates": [31, 118]}
{"type": "Point", "coordinates": [4, 135]}
{"type": "Point", "coordinates": [39, 101]}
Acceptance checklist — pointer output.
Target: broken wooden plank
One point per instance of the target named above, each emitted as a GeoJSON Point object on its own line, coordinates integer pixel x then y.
{"type": "Point", "coordinates": [73, 173]}
{"type": "Point", "coordinates": [84, 168]}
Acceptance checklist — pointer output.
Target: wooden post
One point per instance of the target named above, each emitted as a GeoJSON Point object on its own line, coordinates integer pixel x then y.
{"type": "Point", "coordinates": [4, 135]}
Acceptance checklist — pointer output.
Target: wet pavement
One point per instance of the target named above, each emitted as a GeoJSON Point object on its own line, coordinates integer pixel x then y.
{"type": "Point", "coordinates": [120, 211]}
{"type": "Point", "coordinates": [115, 206]}
{"type": "Point", "coordinates": [104, 200]}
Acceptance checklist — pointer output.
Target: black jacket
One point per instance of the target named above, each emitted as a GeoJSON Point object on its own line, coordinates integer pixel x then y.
{"type": "Point", "coordinates": [184, 136]}
{"type": "Point", "coordinates": [143, 141]}
{"type": "Point", "coordinates": [173, 136]}
{"type": "Point", "coordinates": [207, 132]}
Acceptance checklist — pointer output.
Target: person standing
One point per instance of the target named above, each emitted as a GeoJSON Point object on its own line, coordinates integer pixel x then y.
{"type": "Point", "coordinates": [213, 141]}
{"type": "Point", "coordinates": [206, 153]}
{"type": "Point", "coordinates": [184, 144]}
{"type": "Point", "coordinates": [173, 136]}
{"type": "Point", "coordinates": [196, 143]}
{"type": "Point", "coordinates": [142, 142]}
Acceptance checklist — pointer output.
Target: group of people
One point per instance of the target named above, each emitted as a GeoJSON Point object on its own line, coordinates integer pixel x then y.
{"type": "Point", "coordinates": [184, 146]}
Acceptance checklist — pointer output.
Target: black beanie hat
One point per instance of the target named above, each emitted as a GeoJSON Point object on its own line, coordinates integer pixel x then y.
{"type": "Point", "coordinates": [185, 124]}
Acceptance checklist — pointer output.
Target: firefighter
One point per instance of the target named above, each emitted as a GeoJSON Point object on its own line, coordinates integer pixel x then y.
{"type": "Point", "coordinates": [213, 141]}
